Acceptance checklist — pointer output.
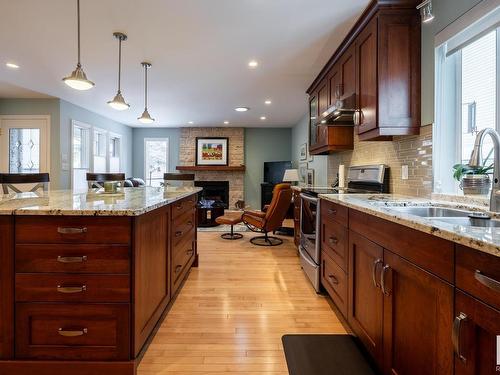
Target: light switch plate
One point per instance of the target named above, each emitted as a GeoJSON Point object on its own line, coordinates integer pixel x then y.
{"type": "Point", "coordinates": [404, 172]}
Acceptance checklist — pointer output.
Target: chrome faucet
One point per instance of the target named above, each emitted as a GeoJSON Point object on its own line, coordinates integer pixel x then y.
{"type": "Point", "coordinates": [475, 161]}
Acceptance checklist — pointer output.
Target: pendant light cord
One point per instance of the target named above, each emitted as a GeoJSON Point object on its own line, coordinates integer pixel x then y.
{"type": "Point", "coordinates": [145, 87]}
{"type": "Point", "coordinates": [78, 17]}
{"type": "Point", "coordinates": [119, 62]}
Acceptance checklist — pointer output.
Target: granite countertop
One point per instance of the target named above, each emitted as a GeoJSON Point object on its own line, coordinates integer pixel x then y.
{"type": "Point", "coordinates": [382, 205]}
{"type": "Point", "coordinates": [131, 202]}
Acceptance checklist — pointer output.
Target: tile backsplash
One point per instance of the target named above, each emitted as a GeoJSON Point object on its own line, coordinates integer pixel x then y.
{"type": "Point", "coordinates": [413, 151]}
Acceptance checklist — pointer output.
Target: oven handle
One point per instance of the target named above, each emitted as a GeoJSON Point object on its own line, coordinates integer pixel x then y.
{"type": "Point", "coordinates": [305, 256]}
{"type": "Point", "coordinates": [308, 198]}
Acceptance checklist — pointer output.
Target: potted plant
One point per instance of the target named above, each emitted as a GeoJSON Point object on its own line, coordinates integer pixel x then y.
{"type": "Point", "coordinates": [473, 180]}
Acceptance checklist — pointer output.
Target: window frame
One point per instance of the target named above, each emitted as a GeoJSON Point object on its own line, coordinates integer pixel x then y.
{"type": "Point", "coordinates": [167, 155]}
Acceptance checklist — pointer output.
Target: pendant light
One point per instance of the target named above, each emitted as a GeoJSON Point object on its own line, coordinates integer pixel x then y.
{"type": "Point", "coordinates": [78, 79]}
{"type": "Point", "coordinates": [118, 102]}
{"type": "Point", "coordinates": [146, 117]}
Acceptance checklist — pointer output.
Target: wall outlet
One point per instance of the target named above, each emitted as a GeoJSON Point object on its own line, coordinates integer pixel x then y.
{"type": "Point", "coordinates": [404, 172]}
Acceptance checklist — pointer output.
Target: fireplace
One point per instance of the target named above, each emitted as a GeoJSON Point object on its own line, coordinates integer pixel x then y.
{"type": "Point", "coordinates": [217, 191]}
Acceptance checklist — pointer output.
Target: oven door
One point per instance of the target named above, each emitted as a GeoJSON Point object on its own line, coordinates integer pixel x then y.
{"type": "Point", "coordinates": [309, 225]}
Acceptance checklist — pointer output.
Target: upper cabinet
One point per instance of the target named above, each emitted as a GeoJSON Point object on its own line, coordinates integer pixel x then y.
{"type": "Point", "coordinates": [372, 81]}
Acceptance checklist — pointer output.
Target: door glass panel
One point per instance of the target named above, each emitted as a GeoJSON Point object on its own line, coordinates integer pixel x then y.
{"type": "Point", "coordinates": [24, 150]}
{"type": "Point", "coordinates": [156, 155]}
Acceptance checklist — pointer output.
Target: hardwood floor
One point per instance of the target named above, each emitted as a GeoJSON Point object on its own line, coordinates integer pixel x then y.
{"type": "Point", "coordinates": [233, 310]}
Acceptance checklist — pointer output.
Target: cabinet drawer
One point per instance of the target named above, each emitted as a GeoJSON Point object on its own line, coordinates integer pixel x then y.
{"type": "Point", "coordinates": [182, 227]}
{"type": "Point", "coordinates": [73, 258]}
{"type": "Point", "coordinates": [186, 246]}
{"type": "Point", "coordinates": [36, 287]}
{"type": "Point", "coordinates": [335, 242]}
{"type": "Point", "coordinates": [183, 205]}
{"type": "Point", "coordinates": [334, 279]}
{"type": "Point", "coordinates": [72, 331]}
{"type": "Point", "coordinates": [181, 256]}
{"type": "Point", "coordinates": [73, 229]}
{"type": "Point", "coordinates": [333, 211]}
{"type": "Point", "coordinates": [478, 274]}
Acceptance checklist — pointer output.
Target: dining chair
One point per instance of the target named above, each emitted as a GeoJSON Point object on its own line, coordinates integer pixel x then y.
{"type": "Point", "coordinates": [10, 180]}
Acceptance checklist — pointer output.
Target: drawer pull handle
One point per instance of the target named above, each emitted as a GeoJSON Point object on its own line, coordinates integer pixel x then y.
{"type": "Point", "coordinates": [333, 240]}
{"type": "Point", "coordinates": [333, 280]}
{"type": "Point", "coordinates": [71, 289]}
{"type": "Point", "coordinates": [487, 281]}
{"type": "Point", "coordinates": [332, 211]}
{"type": "Point", "coordinates": [66, 230]}
{"type": "Point", "coordinates": [72, 333]}
{"type": "Point", "coordinates": [179, 206]}
{"type": "Point", "coordinates": [190, 252]}
{"type": "Point", "coordinates": [190, 223]}
{"type": "Point", "coordinates": [62, 259]}
{"type": "Point", "coordinates": [178, 233]}
{"type": "Point", "coordinates": [374, 272]}
{"type": "Point", "coordinates": [455, 337]}
{"type": "Point", "coordinates": [382, 281]}
{"type": "Point", "coordinates": [178, 268]}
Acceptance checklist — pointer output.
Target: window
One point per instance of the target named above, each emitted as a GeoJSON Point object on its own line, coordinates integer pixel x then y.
{"type": "Point", "coordinates": [81, 155]}
{"type": "Point", "coordinates": [467, 96]}
{"type": "Point", "coordinates": [100, 147]}
{"type": "Point", "coordinates": [155, 160]}
{"type": "Point", "coordinates": [114, 153]}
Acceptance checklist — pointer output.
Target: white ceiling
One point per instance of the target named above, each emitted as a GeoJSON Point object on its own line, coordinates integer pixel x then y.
{"type": "Point", "coordinates": [12, 91]}
{"type": "Point", "coordinates": [199, 50]}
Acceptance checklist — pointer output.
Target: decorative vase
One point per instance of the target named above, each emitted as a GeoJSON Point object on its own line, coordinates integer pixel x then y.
{"type": "Point", "coordinates": [473, 184]}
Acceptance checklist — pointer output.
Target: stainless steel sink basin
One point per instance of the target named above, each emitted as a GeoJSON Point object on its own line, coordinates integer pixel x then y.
{"type": "Point", "coordinates": [470, 222]}
{"type": "Point", "coordinates": [431, 211]}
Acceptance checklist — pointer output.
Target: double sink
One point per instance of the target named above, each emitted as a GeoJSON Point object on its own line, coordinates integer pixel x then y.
{"type": "Point", "coordinates": [450, 215]}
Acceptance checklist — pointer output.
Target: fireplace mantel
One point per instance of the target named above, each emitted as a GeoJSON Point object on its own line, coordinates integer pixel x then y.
{"type": "Point", "coordinates": [217, 168]}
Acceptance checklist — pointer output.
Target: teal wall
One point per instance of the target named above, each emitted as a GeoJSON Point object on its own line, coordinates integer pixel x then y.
{"type": "Point", "coordinates": [40, 107]}
{"type": "Point", "coordinates": [263, 144]}
{"type": "Point", "coordinates": [61, 113]}
{"type": "Point", "coordinates": [319, 164]}
{"type": "Point", "coordinates": [445, 12]}
{"type": "Point", "coordinates": [139, 134]}
{"type": "Point", "coordinates": [71, 112]}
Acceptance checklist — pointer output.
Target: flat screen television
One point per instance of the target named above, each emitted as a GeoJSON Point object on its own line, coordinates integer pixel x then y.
{"type": "Point", "coordinates": [275, 170]}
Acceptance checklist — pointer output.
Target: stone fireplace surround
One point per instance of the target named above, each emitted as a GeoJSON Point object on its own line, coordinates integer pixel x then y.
{"type": "Point", "coordinates": [187, 157]}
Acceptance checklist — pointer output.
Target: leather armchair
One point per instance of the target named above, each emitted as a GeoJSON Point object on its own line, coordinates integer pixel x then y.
{"type": "Point", "coordinates": [270, 219]}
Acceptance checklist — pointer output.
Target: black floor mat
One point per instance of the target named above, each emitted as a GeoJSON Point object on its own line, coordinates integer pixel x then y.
{"type": "Point", "coordinates": [324, 355]}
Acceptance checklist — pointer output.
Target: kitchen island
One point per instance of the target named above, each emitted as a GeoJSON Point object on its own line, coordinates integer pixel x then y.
{"type": "Point", "coordinates": [86, 278]}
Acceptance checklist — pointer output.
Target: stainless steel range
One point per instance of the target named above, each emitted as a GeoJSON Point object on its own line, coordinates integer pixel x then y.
{"type": "Point", "coordinates": [366, 179]}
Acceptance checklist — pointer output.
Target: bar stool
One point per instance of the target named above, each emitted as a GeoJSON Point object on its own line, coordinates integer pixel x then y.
{"type": "Point", "coordinates": [96, 180]}
{"type": "Point", "coordinates": [8, 180]}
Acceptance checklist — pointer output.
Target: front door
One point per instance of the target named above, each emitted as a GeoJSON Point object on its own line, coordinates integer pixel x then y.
{"type": "Point", "coordinates": [24, 144]}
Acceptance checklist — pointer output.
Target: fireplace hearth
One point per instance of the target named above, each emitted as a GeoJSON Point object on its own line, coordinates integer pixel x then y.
{"type": "Point", "coordinates": [217, 191]}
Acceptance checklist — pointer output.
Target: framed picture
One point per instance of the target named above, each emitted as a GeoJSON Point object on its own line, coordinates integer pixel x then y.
{"type": "Point", "coordinates": [310, 177]}
{"type": "Point", "coordinates": [212, 150]}
{"type": "Point", "coordinates": [302, 173]}
{"type": "Point", "coordinates": [303, 151]}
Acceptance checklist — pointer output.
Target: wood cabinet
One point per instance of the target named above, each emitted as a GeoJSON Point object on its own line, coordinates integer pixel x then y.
{"type": "Point", "coordinates": [418, 310]}
{"type": "Point", "coordinates": [475, 332]}
{"type": "Point", "coordinates": [296, 217]}
{"type": "Point", "coordinates": [377, 66]}
{"type": "Point", "coordinates": [89, 290]}
{"type": "Point", "coordinates": [413, 299]}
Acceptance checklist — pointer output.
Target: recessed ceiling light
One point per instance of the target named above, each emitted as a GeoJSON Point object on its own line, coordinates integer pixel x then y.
{"type": "Point", "coordinates": [268, 102]}
{"type": "Point", "coordinates": [226, 122]}
{"type": "Point", "coordinates": [190, 122]}
{"type": "Point", "coordinates": [12, 65]}
{"type": "Point", "coordinates": [253, 64]}
{"type": "Point", "coordinates": [262, 118]}
{"type": "Point", "coordinates": [241, 109]}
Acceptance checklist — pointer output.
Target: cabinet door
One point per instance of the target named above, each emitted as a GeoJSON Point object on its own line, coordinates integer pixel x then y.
{"type": "Point", "coordinates": [334, 83]}
{"type": "Point", "coordinates": [418, 317]}
{"type": "Point", "coordinates": [6, 287]}
{"type": "Point", "coordinates": [313, 119]}
{"type": "Point", "coordinates": [365, 298]}
{"type": "Point", "coordinates": [366, 54]}
{"type": "Point", "coordinates": [475, 336]}
{"type": "Point", "coordinates": [323, 94]}
{"type": "Point", "coordinates": [347, 66]}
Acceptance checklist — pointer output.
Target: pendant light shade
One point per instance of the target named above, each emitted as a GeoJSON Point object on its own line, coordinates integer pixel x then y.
{"type": "Point", "coordinates": [146, 117]}
{"type": "Point", "coordinates": [118, 102]}
{"type": "Point", "coordinates": [78, 79]}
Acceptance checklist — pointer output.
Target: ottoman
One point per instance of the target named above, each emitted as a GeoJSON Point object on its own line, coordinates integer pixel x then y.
{"type": "Point", "coordinates": [230, 218]}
